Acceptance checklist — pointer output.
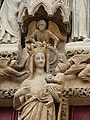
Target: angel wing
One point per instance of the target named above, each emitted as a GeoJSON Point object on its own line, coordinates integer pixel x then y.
{"type": "Point", "coordinates": [55, 30]}
{"type": "Point", "coordinates": [52, 27]}
{"type": "Point", "coordinates": [77, 59]}
{"type": "Point", "coordinates": [31, 29]}
{"type": "Point", "coordinates": [61, 45]}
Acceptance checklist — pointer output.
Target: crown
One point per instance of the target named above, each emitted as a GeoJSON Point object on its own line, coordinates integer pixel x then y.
{"type": "Point", "coordinates": [37, 47]}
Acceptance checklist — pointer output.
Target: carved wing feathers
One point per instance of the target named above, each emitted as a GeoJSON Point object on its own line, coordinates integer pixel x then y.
{"type": "Point", "coordinates": [54, 29]}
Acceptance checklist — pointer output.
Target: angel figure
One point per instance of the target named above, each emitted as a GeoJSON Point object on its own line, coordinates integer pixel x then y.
{"type": "Point", "coordinates": [52, 36]}
{"type": "Point", "coordinates": [35, 98]}
{"type": "Point", "coordinates": [42, 34]}
{"type": "Point", "coordinates": [78, 63]}
{"type": "Point", "coordinates": [12, 68]}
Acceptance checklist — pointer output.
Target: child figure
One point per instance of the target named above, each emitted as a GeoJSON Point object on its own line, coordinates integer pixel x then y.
{"type": "Point", "coordinates": [55, 84]}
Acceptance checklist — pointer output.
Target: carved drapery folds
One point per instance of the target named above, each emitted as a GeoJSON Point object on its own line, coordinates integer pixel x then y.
{"type": "Point", "coordinates": [41, 88]}
{"type": "Point", "coordinates": [68, 93]}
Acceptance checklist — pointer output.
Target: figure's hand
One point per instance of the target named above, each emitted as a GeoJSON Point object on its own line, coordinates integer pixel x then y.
{"type": "Point", "coordinates": [26, 89]}
{"type": "Point", "coordinates": [53, 93]}
{"type": "Point", "coordinates": [55, 47]}
{"type": "Point", "coordinates": [23, 73]}
{"type": "Point", "coordinates": [49, 78]}
{"type": "Point", "coordinates": [22, 91]}
{"type": "Point", "coordinates": [59, 78]}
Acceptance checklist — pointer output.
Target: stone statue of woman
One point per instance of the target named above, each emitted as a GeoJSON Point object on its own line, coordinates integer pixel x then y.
{"type": "Point", "coordinates": [36, 95]}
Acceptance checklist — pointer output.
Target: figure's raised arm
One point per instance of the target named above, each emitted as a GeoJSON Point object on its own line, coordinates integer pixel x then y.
{"type": "Point", "coordinates": [54, 37]}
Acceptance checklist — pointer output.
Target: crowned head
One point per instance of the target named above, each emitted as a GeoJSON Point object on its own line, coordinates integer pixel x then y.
{"type": "Point", "coordinates": [37, 47]}
{"type": "Point", "coordinates": [38, 56]}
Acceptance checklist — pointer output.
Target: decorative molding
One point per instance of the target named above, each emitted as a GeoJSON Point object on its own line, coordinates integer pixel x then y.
{"type": "Point", "coordinates": [7, 93]}
{"type": "Point", "coordinates": [74, 48]}
{"type": "Point", "coordinates": [64, 110]}
{"type": "Point", "coordinates": [10, 51]}
{"type": "Point", "coordinates": [51, 7]}
{"type": "Point", "coordinates": [75, 52]}
{"type": "Point", "coordinates": [76, 92]}
{"type": "Point", "coordinates": [72, 92]}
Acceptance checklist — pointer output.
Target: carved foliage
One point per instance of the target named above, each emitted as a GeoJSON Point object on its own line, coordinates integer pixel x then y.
{"type": "Point", "coordinates": [76, 92]}
{"type": "Point", "coordinates": [7, 93]}
{"type": "Point", "coordinates": [64, 109]}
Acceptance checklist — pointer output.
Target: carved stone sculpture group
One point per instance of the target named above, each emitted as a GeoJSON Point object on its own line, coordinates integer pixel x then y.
{"type": "Point", "coordinates": [43, 65]}
{"type": "Point", "coordinates": [36, 97]}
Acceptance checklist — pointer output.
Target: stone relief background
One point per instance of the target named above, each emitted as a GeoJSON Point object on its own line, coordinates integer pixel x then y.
{"type": "Point", "coordinates": [66, 23]}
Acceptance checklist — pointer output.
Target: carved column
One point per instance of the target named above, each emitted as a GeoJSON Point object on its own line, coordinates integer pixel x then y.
{"type": "Point", "coordinates": [88, 18]}
{"type": "Point", "coordinates": [79, 18]}
{"type": "Point", "coordinates": [65, 109]}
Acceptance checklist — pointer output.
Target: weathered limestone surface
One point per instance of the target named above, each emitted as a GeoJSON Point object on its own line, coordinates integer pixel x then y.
{"type": "Point", "coordinates": [79, 25]}
{"type": "Point", "coordinates": [33, 43]}
{"type": "Point", "coordinates": [41, 88]}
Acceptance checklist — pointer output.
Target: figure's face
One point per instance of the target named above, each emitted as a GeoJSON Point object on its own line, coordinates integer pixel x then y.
{"type": "Point", "coordinates": [39, 60]}
{"type": "Point", "coordinates": [14, 63]}
{"type": "Point", "coordinates": [41, 27]}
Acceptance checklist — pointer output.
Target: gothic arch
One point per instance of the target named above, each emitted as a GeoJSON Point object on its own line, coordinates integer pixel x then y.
{"type": "Point", "coordinates": [51, 8]}
{"type": "Point", "coordinates": [34, 8]}
{"type": "Point", "coordinates": [65, 12]}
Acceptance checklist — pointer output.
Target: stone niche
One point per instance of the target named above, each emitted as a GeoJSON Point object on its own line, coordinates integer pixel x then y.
{"type": "Point", "coordinates": [54, 23]}
{"type": "Point", "coordinates": [13, 49]}
{"type": "Point", "coordinates": [14, 53]}
{"type": "Point", "coordinates": [56, 15]}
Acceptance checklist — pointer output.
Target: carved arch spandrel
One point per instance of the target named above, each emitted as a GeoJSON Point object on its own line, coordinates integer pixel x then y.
{"type": "Point", "coordinates": [65, 12]}
{"type": "Point", "coordinates": [34, 8]}
{"type": "Point", "coordinates": [51, 8]}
